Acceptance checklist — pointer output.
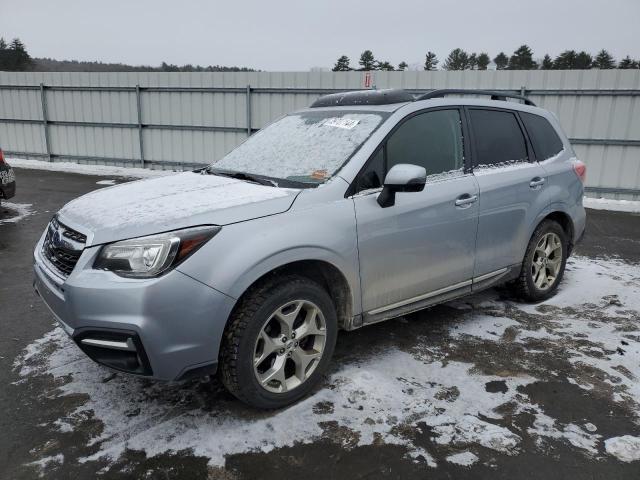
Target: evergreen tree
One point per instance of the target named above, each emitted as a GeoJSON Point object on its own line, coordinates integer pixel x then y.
{"type": "Point", "coordinates": [547, 62]}
{"type": "Point", "coordinates": [431, 61]}
{"type": "Point", "coordinates": [473, 62]}
{"type": "Point", "coordinates": [165, 67]}
{"type": "Point", "coordinates": [522, 59]}
{"type": "Point", "coordinates": [604, 60]}
{"type": "Point", "coordinates": [5, 55]}
{"type": "Point", "coordinates": [367, 60]}
{"type": "Point", "coordinates": [402, 66]}
{"type": "Point", "coordinates": [501, 61]}
{"type": "Point", "coordinates": [567, 60]}
{"type": "Point", "coordinates": [384, 66]}
{"type": "Point", "coordinates": [483, 61]}
{"type": "Point", "coordinates": [458, 59]}
{"type": "Point", "coordinates": [584, 61]}
{"type": "Point", "coordinates": [14, 57]}
{"type": "Point", "coordinates": [627, 63]}
{"type": "Point", "coordinates": [342, 65]}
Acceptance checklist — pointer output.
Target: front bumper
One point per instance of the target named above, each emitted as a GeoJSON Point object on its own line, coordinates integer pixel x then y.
{"type": "Point", "coordinates": [166, 328]}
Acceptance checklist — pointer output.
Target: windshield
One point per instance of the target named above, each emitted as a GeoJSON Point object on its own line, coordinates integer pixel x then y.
{"type": "Point", "coordinates": [306, 147]}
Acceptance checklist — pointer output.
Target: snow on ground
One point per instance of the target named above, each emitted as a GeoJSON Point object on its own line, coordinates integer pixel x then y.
{"type": "Point", "coordinates": [610, 204]}
{"type": "Point", "coordinates": [99, 170]}
{"type": "Point", "coordinates": [465, 389]}
{"type": "Point", "coordinates": [21, 211]}
{"type": "Point", "coordinates": [465, 458]}
{"type": "Point", "coordinates": [46, 461]}
{"type": "Point", "coordinates": [625, 448]}
{"type": "Point", "coordinates": [372, 400]}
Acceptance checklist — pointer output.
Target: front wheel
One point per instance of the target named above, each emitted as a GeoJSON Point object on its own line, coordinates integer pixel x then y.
{"type": "Point", "coordinates": [544, 263]}
{"type": "Point", "coordinates": [279, 342]}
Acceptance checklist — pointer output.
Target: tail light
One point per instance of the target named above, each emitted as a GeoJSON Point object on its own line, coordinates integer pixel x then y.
{"type": "Point", "coordinates": [1, 157]}
{"type": "Point", "coordinates": [581, 170]}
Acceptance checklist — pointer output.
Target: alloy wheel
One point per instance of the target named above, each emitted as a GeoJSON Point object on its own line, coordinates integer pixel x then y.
{"type": "Point", "coordinates": [289, 346]}
{"type": "Point", "coordinates": [547, 261]}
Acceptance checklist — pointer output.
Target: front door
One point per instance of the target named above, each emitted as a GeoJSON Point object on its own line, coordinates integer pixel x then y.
{"type": "Point", "coordinates": [424, 243]}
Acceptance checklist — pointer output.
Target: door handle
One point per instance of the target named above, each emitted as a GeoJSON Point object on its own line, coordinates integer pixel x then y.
{"type": "Point", "coordinates": [466, 200]}
{"type": "Point", "coordinates": [536, 182]}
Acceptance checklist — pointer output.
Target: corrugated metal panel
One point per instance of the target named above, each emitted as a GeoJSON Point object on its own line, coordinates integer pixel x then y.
{"type": "Point", "coordinates": [91, 106]}
{"type": "Point", "coordinates": [22, 138]}
{"type": "Point", "coordinates": [20, 104]}
{"type": "Point", "coordinates": [189, 147]}
{"type": "Point", "coordinates": [94, 142]}
{"type": "Point", "coordinates": [586, 118]}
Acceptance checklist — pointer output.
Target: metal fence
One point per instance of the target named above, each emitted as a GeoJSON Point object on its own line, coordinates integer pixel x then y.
{"type": "Point", "coordinates": [179, 120]}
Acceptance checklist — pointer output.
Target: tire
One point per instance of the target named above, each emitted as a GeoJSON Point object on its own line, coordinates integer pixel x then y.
{"type": "Point", "coordinates": [265, 314]}
{"type": "Point", "coordinates": [530, 286]}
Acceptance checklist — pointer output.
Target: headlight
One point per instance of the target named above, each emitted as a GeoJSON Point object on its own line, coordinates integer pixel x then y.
{"type": "Point", "coordinates": [146, 257]}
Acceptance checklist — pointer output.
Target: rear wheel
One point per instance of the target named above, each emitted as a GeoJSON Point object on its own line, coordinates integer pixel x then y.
{"type": "Point", "coordinates": [279, 342]}
{"type": "Point", "coordinates": [544, 263]}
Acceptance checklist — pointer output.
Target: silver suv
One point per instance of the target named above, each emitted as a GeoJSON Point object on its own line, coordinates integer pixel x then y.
{"type": "Point", "coordinates": [363, 207]}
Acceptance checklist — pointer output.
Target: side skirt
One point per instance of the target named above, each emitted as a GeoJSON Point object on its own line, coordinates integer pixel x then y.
{"type": "Point", "coordinates": [430, 299]}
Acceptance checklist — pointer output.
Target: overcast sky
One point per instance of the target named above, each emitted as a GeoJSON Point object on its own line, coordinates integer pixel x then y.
{"type": "Point", "coordinates": [294, 35]}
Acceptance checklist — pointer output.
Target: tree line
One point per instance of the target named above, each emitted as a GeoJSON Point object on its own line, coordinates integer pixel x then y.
{"type": "Point", "coordinates": [520, 59]}
{"type": "Point", "coordinates": [14, 57]}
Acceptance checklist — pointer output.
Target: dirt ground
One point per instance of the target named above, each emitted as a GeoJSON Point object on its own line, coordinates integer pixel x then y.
{"type": "Point", "coordinates": [483, 387]}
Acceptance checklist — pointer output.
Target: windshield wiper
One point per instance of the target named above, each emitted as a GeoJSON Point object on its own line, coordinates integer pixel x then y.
{"type": "Point", "coordinates": [241, 176]}
{"type": "Point", "coordinates": [260, 179]}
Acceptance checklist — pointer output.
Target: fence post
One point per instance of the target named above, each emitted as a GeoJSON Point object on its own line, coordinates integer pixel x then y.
{"type": "Point", "coordinates": [139, 109]}
{"type": "Point", "coordinates": [45, 121]}
{"type": "Point", "coordinates": [248, 100]}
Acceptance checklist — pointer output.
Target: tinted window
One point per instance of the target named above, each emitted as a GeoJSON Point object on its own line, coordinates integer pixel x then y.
{"type": "Point", "coordinates": [498, 137]}
{"type": "Point", "coordinates": [432, 140]}
{"type": "Point", "coordinates": [543, 136]}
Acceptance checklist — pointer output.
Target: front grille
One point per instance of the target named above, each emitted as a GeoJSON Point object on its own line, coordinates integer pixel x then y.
{"type": "Point", "coordinates": [73, 235]}
{"type": "Point", "coordinates": [62, 246]}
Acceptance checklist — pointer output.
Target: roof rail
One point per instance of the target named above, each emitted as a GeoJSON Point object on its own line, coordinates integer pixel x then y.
{"type": "Point", "coordinates": [439, 93]}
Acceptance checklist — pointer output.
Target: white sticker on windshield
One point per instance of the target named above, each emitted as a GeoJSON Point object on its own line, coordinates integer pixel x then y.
{"type": "Point", "coordinates": [338, 122]}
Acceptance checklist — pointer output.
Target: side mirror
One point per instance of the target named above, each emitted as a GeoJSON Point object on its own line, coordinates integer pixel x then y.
{"type": "Point", "coordinates": [403, 177]}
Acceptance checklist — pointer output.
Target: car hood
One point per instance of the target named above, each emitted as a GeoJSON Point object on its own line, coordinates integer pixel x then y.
{"type": "Point", "coordinates": [146, 207]}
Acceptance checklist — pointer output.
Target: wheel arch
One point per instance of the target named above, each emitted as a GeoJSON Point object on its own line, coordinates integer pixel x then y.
{"type": "Point", "coordinates": [321, 271]}
{"type": "Point", "coordinates": [565, 222]}
{"type": "Point", "coordinates": [558, 213]}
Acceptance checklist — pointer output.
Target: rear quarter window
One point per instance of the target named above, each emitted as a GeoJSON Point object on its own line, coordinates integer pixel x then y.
{"type": "Point", "coordinates": [546, 142]}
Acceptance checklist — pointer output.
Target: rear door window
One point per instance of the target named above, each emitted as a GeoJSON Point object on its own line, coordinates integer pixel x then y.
{"type": "Point", "coordinates": [543, 136]}
{"type": "Point", "coordinates": [498, 138]}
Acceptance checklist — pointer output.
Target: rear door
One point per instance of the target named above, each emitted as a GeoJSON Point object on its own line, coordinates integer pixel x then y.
{"type": "Point", "coordinates": [510, 183]}
{"type": "Point", "coordinates": [425, 242]}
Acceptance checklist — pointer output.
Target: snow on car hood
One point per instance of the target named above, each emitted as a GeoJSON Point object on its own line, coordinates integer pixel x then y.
{"type": "Point", "coordinates": [156, 205]}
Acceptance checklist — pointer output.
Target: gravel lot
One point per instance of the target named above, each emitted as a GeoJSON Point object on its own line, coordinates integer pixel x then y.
{"type": "Point", "coordinates": [484, 387]}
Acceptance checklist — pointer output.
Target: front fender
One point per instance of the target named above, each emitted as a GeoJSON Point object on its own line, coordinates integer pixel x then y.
{"type": "Point", "coordinates": [242, 253]}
